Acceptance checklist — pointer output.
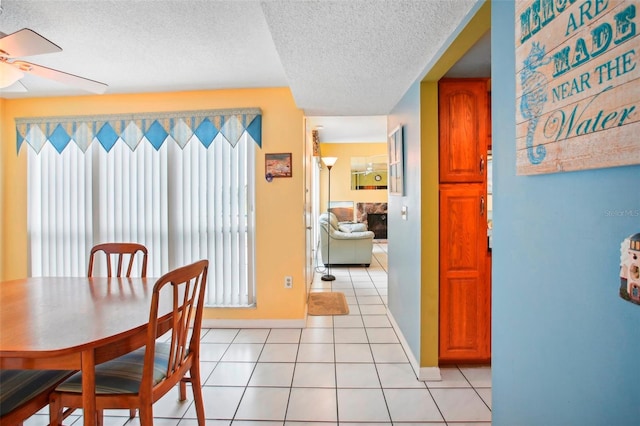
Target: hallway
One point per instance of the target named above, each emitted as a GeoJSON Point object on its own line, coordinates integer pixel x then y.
{"type": "Point", "coordinates": [339, 370]}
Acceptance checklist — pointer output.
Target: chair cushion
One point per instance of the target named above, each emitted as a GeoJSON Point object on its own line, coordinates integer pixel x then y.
{"type": "Point", "coordinates": [329, 220]}
{"type": "Point", "coordinates": [352, 227]}
{"type": "Point", "coordinates": [345, 228]}
{"type": "Point", "coordinates": [333, 219]}
{"type": "Point", "coordinates": [123, 374]}
{"type": "Point", "coordinates": [19, 386]}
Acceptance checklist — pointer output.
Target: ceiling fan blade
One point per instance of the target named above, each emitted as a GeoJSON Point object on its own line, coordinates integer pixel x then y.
{"type": "Point", "coordinates": [62, 77]}
{"type": "Point", "coordinates": [26, 42]}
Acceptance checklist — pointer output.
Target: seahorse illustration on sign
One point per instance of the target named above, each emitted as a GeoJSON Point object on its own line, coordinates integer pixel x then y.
{"type": "Point", "coordinates": [534, 97]}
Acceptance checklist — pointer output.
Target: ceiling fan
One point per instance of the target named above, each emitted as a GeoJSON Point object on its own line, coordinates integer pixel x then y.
{"type": "Point", "coordinates": [372, 164]}
{"type": "Point", "coordinates": [26, 42]}
{"type": "Point", "coordinates": [369, 170]}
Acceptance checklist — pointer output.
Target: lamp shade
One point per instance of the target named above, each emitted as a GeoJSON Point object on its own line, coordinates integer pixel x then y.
{"type": "Point", "coordinates": [329, 161]}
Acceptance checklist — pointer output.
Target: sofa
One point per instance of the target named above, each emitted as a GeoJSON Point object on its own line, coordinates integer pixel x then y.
{"type": "Point", "coordinates": [351, 243]}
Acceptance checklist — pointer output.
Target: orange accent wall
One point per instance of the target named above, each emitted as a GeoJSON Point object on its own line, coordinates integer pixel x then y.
{"type": "Point", "coordinates": [3, 168]}
{"type": "Point", "coordinates": [279, 214]}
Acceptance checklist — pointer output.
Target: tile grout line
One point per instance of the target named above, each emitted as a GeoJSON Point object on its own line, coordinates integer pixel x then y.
{"type": "Point", "coordinates": [375, 364]}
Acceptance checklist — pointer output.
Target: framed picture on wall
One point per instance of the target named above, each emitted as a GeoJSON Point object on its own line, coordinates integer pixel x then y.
{"type": "Point", "coordinates": [278, 165]}
{"type": "Point", "coordinates": [396, 162]}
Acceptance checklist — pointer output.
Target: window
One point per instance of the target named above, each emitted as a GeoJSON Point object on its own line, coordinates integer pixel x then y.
{"type": "Point", "coordinates": [183, 201]}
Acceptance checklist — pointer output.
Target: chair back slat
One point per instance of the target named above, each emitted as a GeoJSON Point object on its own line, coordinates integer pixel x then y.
{"type": "Point", "coordinates": [130, 250]}
{"type": "Point", "coordinates": [170, 356]}
{"type": "Point", "coordinates": [187, 285]}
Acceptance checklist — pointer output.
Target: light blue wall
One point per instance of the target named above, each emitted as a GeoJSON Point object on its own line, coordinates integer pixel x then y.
{"type": "Point", "coordinates": [404, 235]}
{"type": "Point", "coordinates": [566, 347]}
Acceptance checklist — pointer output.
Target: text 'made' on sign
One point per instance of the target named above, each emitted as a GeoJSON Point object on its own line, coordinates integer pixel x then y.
{"type": "Point", "coordinates": [577, 85]}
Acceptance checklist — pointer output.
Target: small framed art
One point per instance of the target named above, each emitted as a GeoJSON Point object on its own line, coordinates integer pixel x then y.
{"type": "Point", "coordinates": [278, 165]}
{"type": "Point", "coordinates": [396, 162]}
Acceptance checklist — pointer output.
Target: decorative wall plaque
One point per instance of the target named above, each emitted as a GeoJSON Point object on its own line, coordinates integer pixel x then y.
{"type": "Point", "coordinates": [577, 85]}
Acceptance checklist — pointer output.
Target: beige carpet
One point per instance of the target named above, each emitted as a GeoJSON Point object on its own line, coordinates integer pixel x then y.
{"type": "Point", "coordinates": [328, 303]}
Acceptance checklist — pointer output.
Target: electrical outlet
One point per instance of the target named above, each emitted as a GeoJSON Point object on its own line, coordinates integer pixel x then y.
{"type": "Point", "coordinates": [288, 282]}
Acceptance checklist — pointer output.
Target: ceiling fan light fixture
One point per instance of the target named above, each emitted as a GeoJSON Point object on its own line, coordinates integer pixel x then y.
{"type": "Point", "coordinates": [24, 66]}
{"type": "Point", "coordinates": [26, 42]}
{"type": "Point", "coordinates": [9, 74]}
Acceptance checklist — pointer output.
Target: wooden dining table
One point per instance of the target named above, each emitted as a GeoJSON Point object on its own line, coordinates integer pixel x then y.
{"type": "Point", "coordinates": [73, 323]}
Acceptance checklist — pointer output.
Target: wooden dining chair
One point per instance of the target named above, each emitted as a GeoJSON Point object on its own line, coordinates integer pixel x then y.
{"type": "Point", "coordinates": [25, 392]}
{"type": "Point", "coordinates": [122, 251]}
{"type": "Point", "coordinates": [139, 378]}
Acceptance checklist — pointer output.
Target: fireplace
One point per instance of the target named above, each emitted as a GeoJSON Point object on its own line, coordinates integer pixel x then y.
{"type": "Point", "coordinates": [374, 215]}
{"type": "Point", "coordinates": [377, 222]}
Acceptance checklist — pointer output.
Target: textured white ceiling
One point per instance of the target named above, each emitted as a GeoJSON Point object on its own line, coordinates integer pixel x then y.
{"type": "Point", "coordinates": [349, 129]}
{"type": "Point", "coordinates": [339, 58]}
{"type": "Point", "coordinates": [150, 46]}
{"type": "Point", "coordinates": [358, 57]}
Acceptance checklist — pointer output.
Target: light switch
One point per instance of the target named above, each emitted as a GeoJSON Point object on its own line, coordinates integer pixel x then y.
{"type": "Point", "coordinates": [403, 212]}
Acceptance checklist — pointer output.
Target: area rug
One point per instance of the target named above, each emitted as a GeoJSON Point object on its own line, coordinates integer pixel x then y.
{"type": "Point", "coordinates": [328, 303]}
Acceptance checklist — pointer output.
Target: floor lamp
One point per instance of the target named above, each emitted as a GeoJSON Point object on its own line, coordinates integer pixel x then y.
{"type": "Point", "coordinates": [329, 162]}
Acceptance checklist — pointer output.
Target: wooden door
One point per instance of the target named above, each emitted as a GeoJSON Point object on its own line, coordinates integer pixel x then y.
{"type": "Point", "coordinates": [462, 109]}
{"type": "Point", "coordinates": [465, 291]}
{"type": "Point", "coordinates": [465, 282]}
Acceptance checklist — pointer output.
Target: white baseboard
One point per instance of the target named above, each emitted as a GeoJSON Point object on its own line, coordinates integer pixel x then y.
{"type": "Point", "coordinates": [425, 374]}
{"type": "Point", "coordinates": [430, 374]}
{"type": "Point", "coordinates": [251, 323]}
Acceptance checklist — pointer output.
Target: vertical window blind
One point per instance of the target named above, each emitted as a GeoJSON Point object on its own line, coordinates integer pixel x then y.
{"type": "Point", "coordinates": [182, 185]}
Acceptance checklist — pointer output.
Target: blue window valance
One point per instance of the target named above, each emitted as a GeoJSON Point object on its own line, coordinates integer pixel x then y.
{"type": "Point", "coordinates": [156, 128]}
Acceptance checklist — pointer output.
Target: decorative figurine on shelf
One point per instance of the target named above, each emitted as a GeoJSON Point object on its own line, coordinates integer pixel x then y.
{"type": "Point", "coordinates": [630, 269]}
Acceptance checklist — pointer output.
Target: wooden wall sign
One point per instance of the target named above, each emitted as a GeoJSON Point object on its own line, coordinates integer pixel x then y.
{"type": "Point", "coordinates": [577, 85]}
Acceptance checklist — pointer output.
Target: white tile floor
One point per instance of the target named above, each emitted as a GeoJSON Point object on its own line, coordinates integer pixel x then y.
{"type": "Point", "coordinates": [338, 370]}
